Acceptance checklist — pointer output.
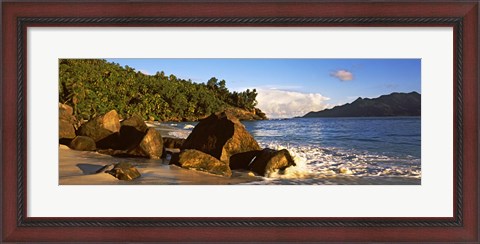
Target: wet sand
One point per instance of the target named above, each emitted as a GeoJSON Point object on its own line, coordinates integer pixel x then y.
{"type": "Point", "coordinates": [79, 167]}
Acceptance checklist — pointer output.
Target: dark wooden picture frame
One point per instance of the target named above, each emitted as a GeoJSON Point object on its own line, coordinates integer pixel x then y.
{"type": "Point", "coordinates": [18, 16]}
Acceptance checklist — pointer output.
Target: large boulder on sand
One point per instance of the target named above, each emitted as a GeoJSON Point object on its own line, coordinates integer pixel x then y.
{"type": "Point", "coordinates": [124, 171]}
{"type": "Point", "coordinates": [83, 143]}
{"type": "Point", "coordinates": [221, 135]}
{"type": "Point", "coordinates": [151, 145]}
{"type": "Point", "coordinates": [104, 130]}
{"type": "Point", "coordinates": [194, 159]}
{"type": "Point", "coordinates": [66, 122]}
{"type": "Point", "coordinates": [269, 160]}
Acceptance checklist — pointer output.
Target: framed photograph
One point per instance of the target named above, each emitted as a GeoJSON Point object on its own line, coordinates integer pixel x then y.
{"type": "Point", "coordinates": [244, 121]}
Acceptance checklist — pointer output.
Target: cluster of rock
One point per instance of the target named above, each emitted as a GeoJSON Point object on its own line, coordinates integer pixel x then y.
{"type": "Point", "coordinates": [220, 144]}
{"type": "Point", "coordinates": [121, 171]}
{"type": "Point", "coordinates": [106, 134]}
{"type": "Point", "coordinates": [217, 145]}
{"type": "Point", "coordinates": [245, 114]}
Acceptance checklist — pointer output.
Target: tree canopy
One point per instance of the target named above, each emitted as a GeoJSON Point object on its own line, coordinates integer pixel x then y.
{"type": "Point", "coordinates": [95, 86]}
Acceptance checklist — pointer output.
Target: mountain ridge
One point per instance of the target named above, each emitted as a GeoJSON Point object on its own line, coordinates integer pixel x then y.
{"type": "Point", "coordinates": [393, 104]}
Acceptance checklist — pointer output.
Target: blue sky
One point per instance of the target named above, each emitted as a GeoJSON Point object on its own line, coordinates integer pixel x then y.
{"type": "Point", "coordinates": [308, 83]}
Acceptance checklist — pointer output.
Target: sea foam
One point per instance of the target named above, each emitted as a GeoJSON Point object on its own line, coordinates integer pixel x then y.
{"type": "Point", "coordinates": [315, 162]}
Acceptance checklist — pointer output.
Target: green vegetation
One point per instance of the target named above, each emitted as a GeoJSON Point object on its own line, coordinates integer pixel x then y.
{"type": "Point", "coordinates": [94, 86]}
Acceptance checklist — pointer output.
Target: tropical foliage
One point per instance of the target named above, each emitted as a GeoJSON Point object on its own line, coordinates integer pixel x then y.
{"type": "Point", "coordinates": [95, 86]}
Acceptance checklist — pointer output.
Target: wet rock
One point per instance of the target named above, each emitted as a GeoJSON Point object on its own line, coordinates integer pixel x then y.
{"type": "Point", "coordinates": [194, 159]}
{"type": "Point", "coordinates": [169, 142]}
{"type": "Point", "coordinates": [83, 143]}
{"type": "Point", "coordinates": [151, 145]}
{"type": "Point", "coordinates": [105, 168]}
{"type": "Point", "coordinates": [221, 135]}
{"type": "Point", "coordinates": [104, 130]}
{"type": "Point", "coordinates": [269, 160]}
{"type": "Point", "coordinates": [243, 160]}
{"type": "Point", "coordinates": [124, 171]}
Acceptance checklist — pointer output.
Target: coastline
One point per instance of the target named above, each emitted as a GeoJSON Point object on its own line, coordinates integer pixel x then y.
{"type": "Point", "coordinates": [79, 167]}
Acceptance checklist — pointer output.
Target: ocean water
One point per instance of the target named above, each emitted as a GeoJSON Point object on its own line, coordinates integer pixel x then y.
{"type": "Point", "coordinates": [381, 151]}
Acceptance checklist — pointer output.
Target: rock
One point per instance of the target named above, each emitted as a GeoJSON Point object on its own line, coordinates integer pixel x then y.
{"type": "Point", "coordinates": [132, 132]}
{"type": "Point", "coordinates": [116, 153]}
{"type": "Point", "coordinates": [66, 122]}
{"type": "Point", "coordinates": [243, 160]}
{"type": "Point", "coordinates": [104, 130]}
{"type": "Point", "coordinates": [66, 130]}
{"type": "Point", "coordinates": [194, 159]}
{"type": "Point", "coordinates": [105, 168]}
{"type": "Point", "coordinates": [221, 135]}
{"type": "Point", "coordinates": [64, 110]}
{"type": "Point", "coordinates": [83, 143]}
{"type": "Point", "coordinates": [124, 171]}
{"type": "Point", "coordinates": [260, 114]}
{"type": "Point", "coordinates": [169, 142]}
{"type": "Point", "coordinates": [135, 122]}
{"type": "Point", "coordinates": [269, 160]}
{"type": "Point", "coordinates": [151, 145]}
{"type": "Point", "coordinates": [247, 114]}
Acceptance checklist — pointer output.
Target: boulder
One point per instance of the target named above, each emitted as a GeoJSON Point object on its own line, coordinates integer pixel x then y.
{"type": "Point", "coordinates": [132, 132]}
{"type": "Point", "coordinates": [151, 145]}
{"type": "Point", "coordinates": [135, 122]}
{"type": "Point", "coordinates": [247, 114]}
{"type": "Point", "coordinates": [124, 171]}
{"type": "Point", "coordinates": [194, 159]}
{"type": "Point", "coordinates": [269, 160]}
{"type": "Point", "coordinates": [243, 160]}
{"type": "Point", "coordinates": [260, 114]}
{"type": "Point", "coordinates": [104, 130]}
{"type": "Point", "coordinates": [66, 130]}
{"type": "Point", "coordinates": [169, 142]}
{"type": "Point", "coordinates": [83, 143]}
{"type": "Point", "coordinates": [221, 135]}
{"type": "Point", "coordinates": [64, 110]}
{"type": "Point", "coordinates": [66, 122]}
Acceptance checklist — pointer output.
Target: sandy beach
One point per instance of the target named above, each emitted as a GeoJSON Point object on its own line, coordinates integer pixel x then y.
{"type": "Point", "coordinates": [79, 167]}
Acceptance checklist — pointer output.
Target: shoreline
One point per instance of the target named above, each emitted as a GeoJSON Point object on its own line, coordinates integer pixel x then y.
{"type": "Point", "coordinates": [79, 167]}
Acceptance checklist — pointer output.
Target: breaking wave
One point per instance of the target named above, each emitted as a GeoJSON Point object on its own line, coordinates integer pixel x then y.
{"type": "Point", "coordinates": [320, 163]}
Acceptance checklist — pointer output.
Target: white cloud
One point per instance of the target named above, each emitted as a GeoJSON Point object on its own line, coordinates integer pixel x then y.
{"type": "Point", "coordinates": [343, 75]}
{"type": "Point", "coordinates": [286, 104]}
{"type": "Point", "coordinates": [145, 72]}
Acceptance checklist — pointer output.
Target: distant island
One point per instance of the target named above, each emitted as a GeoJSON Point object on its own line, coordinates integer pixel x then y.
{"type": "Point", "coordinates": [394, 104]}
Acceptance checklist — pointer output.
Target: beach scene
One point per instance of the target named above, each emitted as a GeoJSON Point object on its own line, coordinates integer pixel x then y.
{"type": "Point", "coordinates": [239, 121]}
